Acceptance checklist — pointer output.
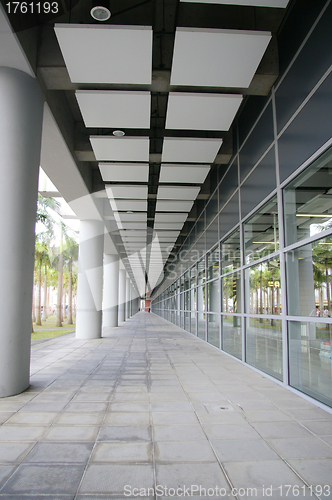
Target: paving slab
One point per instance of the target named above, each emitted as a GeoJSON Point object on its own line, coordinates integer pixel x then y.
{"type": "Point", "coordinates": [149, 404]}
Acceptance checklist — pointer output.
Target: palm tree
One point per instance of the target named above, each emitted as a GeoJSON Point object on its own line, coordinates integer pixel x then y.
{"type": "Point", "coordinates": [43, 240]}
{"type": "Point", "coordinates": [70, 256]}
{"type": "Point", "coordinates": [322, 258]}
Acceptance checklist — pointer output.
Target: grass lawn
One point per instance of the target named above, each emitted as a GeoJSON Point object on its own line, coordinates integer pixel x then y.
{"type": "Point", "coordinates": [48, 329]}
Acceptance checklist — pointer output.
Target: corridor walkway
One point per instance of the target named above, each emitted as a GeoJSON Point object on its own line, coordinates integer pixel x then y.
{"type": "Point", "coordinates": [149, 408]}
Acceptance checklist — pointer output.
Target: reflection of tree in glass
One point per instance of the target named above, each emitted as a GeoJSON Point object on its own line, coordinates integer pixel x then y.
{"type": "Point", "coordinates": [322, 262]}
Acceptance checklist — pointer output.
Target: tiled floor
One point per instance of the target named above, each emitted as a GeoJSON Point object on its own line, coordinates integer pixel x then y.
{"type": "Point", "coordinates": [149, 408]}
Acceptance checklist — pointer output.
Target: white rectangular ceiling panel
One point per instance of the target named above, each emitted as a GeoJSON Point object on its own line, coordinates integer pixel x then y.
{"type": "Point", "coordinates": [129, 205]}
{"type": "Point", "coordinates": [106, 54]}
{"type": "Point", "coordinates": [201, 111]}
{"type": "Point", "coordinates": [124, 172]}
{"type": "Point", "coordinates": [165, 225]}
{"type": "Point", "coordinates": [182, 150]}
{"type": "Point", "coordinates": [170, 218]}
{"type": "Point", "coordinates": [133, 225]}
{"type": "Point", "coordinates": [133, 217]}
{"type": "Point", "coordinates": [177, 193]}
{"type": "Point", "coordinates": [217, 58]}
{"type": "Point", "coordinates": [107, 148]}
{"type": "Point", "coordinates": [256, 3]}
{"type": "Point", "coordinates": [173, 206]}
{"type": "Point", "coordinates": [112, 109]}
{"type": "Point", "coordinates": [131, 192]}
{"type": "Point", "coordinates": [190, 174]}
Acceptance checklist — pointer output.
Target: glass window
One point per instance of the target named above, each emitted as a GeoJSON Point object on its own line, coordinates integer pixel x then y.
{"type": "Point", "coordinates": [182, 301]}
{"type": "Point", "coordinates": [263, 291]}
{"type": "Point", "coordinates": [187, 280]}
{"type": "Point", "coordinates": [187, 321]}
{"type": "Point", "coordinates": [213, 263]}
{"type": "Point", "coordinates": [213, 335]}
{"type": "Point", "coordinates": [193, 274]}
{"type": "Point", "coordinates": [201, 326]}
{"type": "Point", "coordinates": [193, 328]}
{"type": "Point", "coordinates": [230, 254]}
{"type": "Point", "coordinates": [200, 298]}
{"type": "Point", "coordinates": [231, 293]}
{"type": "Point", "coordinates": [213, 296]}
{"type": "Point", "coordinates": [201, 271]}
{"type": "Point", "coordinates": [232, 335]}
{"type": "Point", "coordinates": [181, 320]}
{"type": "Point", "coordinates": [193, 299]}
{"type": "Point", "coordinates": [310, 367]}
{"type": "Point", "coordinates": [182, 283]}
{"type": "Point", "coordinates": [308, 201]}
{"type": "Point", "coordinates": [309, 279]}
{"type": "Point", "coordinates": [187, 300]}
{"type": "Point", "coordinates": [264, 345]}
{"type": "Point", "coordinates": [261, 235]}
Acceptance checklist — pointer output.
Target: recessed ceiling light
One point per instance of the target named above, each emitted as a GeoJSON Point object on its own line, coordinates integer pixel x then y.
{"type": "Point", "coordinates": [100, 12]}
{"type": "Point", "coordinates": [130, 212]}
{"type": "Point", "coordinates": [118, 133]}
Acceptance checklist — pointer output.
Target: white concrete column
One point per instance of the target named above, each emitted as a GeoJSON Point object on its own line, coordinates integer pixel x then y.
{"type": "Point", "coordinates": [90, 280]}
{"type": "Point", "coordinates": [128, 285]}
{"type": "Point", "coordinates": [122, 295]}
{"type": "Point", "coordinates": [111, 287]}
{"type": "Point", "coordinates": [21, 115]}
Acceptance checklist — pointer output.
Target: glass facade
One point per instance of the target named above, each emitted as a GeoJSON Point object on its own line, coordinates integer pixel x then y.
{"type": "Point", "coordinates": [259, 257]}
{"type": "Point", "coordinates": [260, 291]}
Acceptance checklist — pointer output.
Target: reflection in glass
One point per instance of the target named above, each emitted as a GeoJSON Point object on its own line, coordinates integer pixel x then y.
{"type": "Point", "coordinates": [232, 335]}
{"type": "Point", "coordinates": [231, 293]}
{"type": "Point", "coordinates": [264, 345]}
{"type": "Point", "coordinates": [261, 235]}
{"type": "Point", "coordinates": [200, 298]}
{"type": "Point", "coordinates": [262, 285]}
{"type": "Point", "coordinates": [193, 301]}
{"type": "Point", "coordinates": [213, 296]}
{"type": "Point", "coordinates": [182, 283]}
{"type": "Point", "coordinates": [308, 201]}
{"type": "Point", "coordinates": [181, 301]}
{"type": "Point", "coordinates": [213, 263]}
{"type": "Point", "coordinates": [187, 321]}
{"type": "Point", "coordinates": [187, 301]}
{"type": "Point", "coordinates": [213, 336]}
{"type": "Point", "coordinates": [187, 280]}
{"type": "Point", "coordinates": [193, 328]}
{"type": "Point", "coordinates": [193, 274]}
{"type": "Point", "coordinates": [201, 326]}
{"type": "Point", "coordinates": [310, 359]}
{"type": "Point", "coordinates": [201, 271]}
{"type": "Point", "coordinates": [230, 254]}
{"type": "Point", "coordinates": [309, 279]}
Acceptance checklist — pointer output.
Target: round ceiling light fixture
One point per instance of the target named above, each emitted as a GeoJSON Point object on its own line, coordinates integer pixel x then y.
{"type": "Point", "coordinates": [118, 133]}
{"type": "Point", "coordinates": [101, 10]}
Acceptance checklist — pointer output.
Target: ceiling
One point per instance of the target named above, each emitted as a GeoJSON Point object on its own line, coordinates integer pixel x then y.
{"type": "Point", "coordinates": [172, 75]}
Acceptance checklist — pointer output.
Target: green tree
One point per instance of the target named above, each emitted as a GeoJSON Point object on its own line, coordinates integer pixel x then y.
{"type": "Point", "coordinates": [70, 257]}
{"type": "Point", "coordinates": [322, 261]}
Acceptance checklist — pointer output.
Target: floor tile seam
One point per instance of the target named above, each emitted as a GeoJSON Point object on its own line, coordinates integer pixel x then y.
{"type": "Point", "coordinates": [300, 423]}
{"type": "Point", "coordinates": [236, 377]}
{"type": "Point", "coordinates": [228, 480]}
{"type": "Point", "coordinates": [284, 460]}
{"type": "Point", "coordinates": [154, 471]}
{"type": "Point", "coordinates": [101, 425]}
{"type": "Point", "coordinates": [36, 442]}
{"type": "Point", "coordinates": [58, 359]}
